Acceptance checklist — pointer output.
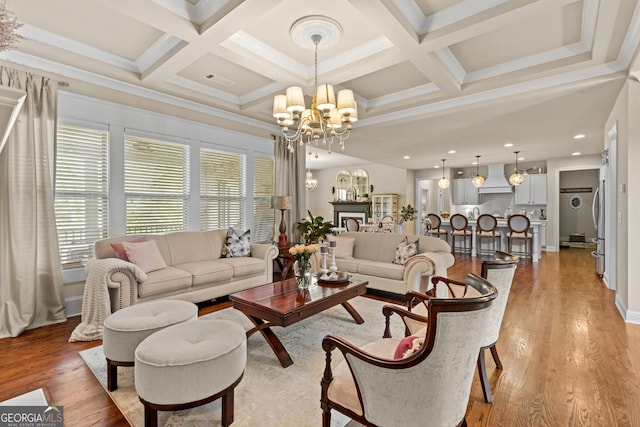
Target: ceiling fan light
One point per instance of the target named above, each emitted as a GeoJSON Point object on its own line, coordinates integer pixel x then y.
{"type": "Point", "coordinates": [295, 99]}
{"type": "Point", "coordinates": [325, 98]}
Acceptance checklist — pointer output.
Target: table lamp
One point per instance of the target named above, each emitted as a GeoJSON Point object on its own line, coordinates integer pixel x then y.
{"type": "Point", "coordinates": [283, 203]}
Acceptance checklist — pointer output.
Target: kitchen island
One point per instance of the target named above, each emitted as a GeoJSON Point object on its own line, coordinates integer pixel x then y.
{"type": "Point", "coordinates": [538, 228]}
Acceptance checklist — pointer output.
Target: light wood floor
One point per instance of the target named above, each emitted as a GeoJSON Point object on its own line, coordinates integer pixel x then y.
{"type": "Point", "coordinates": [569, 359]}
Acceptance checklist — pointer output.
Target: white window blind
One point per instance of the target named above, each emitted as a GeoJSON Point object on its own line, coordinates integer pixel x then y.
{"type": "Point", "coordinates": [222, 189]}
{"type": "Point", "coordinates": [81, 191]}
{"type": "Point", "coordinates": [156, 182]}
{"type": "Point", "coordinates": [263, 189]}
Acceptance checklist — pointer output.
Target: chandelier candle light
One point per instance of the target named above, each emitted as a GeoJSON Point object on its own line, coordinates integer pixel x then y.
{"type": "Point", "coordinates": [325, 119]}
{"type": "Point", "coordinates": [477, 180]}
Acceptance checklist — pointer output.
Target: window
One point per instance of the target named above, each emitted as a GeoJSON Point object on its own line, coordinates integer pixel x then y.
{"type": "Point", "coordinates": [222, 189]}
{"type": "Point", "coordinates": [156, 185]}
{"type": "Point", "coordinates": [263, 189]}
{"type": "Point", "coordinates": [81, 192]}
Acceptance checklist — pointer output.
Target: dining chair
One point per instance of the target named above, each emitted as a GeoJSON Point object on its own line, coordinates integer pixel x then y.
{"type": "Point", "coordinates": [459, 224]}
{"type": "Point", "coordinates": [486, 228]}
{"type": "Point", "coordinates": [429, 384]}
{"type": "Point", "coordinates": [435, 230]}
{"type": "Point", "coordinates": [519, 230]}
{"type": "Point", "coordinates": [352, 224]}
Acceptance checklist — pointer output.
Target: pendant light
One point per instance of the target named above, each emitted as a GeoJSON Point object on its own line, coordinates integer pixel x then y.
{"type": "Point", "coordinates": [516, 178]}
{"type": "Point", "coordinates": [444, 182]}
{"type": "Point", "coordinates": [477, 180]}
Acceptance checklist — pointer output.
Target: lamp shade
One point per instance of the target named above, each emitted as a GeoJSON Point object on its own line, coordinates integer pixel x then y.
{"type": "Point", "coordinates": [295, 99]}
{"type": "Point", "coordinates": [281, 202]}
{"type": "Point", "coordinates": [280, 107]}
{"type": "Point", "coordinates": [325, 97]}
{"type": "Point", "coordinates": [346, 102]}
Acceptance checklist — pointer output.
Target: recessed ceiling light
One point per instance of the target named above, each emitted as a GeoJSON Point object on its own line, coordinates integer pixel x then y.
{"type": "Point", "coordinates": [579, 136]}
{"type": "Point", "coordinates": [451, 151]}
{"type": "Point", "coordinates": [406, 157]}
{"type": "Point", "coordinates": [474, 163]}
{"type": "Point", "coordinates": [577, 153]}
{"type": "Point", "coordinates": [520, 158]}
{"type": "Point", "coordinates": [436, 167]}
{"type": "Point", "coordinates": [508, 144]}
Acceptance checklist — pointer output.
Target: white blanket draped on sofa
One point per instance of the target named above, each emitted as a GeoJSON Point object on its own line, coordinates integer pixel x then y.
{"type": "Point", "coordinates": [96, 305]}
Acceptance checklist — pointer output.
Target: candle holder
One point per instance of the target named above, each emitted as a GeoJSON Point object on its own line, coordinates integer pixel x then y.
{"type": "Point", "coordinates": [323, 254]}
{"type": "Point", "coordinates": [333, 268]}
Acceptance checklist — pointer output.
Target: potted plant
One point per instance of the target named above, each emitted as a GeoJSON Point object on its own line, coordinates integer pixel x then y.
{"type": "Point", "coordinates": [407, 215]}
{"type": "Point", "coordinates": [314, 228]}
{"type": "Point", "coordinates": [369, 213]}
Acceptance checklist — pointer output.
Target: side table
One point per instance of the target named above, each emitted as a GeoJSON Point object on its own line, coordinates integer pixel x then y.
{"type": "Point", "coordinates": [284, 261]}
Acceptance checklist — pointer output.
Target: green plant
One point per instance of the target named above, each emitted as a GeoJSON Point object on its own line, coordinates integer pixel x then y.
{"type": "Point", "coordinates": [408, 213]}
{"type": "Point", "coordinates": [313, 228]}
{"type": "Point", "coordinates": [369, 211]}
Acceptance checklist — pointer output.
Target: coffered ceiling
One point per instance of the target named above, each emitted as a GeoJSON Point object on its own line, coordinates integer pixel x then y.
{"type": "Point", "coordinates": [429, 75]}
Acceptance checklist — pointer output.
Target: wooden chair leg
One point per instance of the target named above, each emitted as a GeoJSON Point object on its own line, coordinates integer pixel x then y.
{"type": "Point", "coordinates": [326, 417]}
{"type": "Point", "coordinates": [484, 381]}
{"type": "Point", "coordinates": [150, 417]}
{"type": "Point", "coordinates": [496, 358]}
{"type": "Point", "coordinates": [112, 375]}
{"type": "Point", "coordinates": [227, 408]}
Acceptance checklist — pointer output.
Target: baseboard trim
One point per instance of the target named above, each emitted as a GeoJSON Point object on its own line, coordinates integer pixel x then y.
{"type": "Point", "coordinates": [628, 316]}
{"type": "Point", "coordinates": [73, 306]}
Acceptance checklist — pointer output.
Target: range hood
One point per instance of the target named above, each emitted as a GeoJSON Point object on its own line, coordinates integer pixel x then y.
{"type": "Point", "coordinates": [495, 182]}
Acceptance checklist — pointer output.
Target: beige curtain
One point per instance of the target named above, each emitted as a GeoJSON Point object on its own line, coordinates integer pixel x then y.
{"type": "Point", "coordinates": [290, 175]}
{"type": "Point", "coordinates": [30, 272]}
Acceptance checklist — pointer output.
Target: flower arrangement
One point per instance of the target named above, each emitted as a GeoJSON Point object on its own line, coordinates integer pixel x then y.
{"type": "Point", "coordinates": [302, 253]}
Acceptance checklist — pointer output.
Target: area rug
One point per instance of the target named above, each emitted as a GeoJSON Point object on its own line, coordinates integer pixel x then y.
{"type": "Point", "coordinates": [32, 398]}
{"type": "Point", "coordinates": [268, 394]}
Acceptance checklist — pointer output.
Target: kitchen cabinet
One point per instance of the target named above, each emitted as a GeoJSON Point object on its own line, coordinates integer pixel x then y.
{"type": "Point", "coordinates": [385, 205]}
{"type": "Point", "coordinates": [532, 191]}
{"type": "Point", "coordinates": [464, 193]}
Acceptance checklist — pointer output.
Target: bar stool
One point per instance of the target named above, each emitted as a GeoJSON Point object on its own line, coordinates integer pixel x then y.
{"type": "Point", "coordinates": [459, 225]}
{"type": "Point", "coordinates": [519, 229]}
{"type": "Point", "coordinates": [486, 229]}
{"type": "Point", "coordinates": [435, 230]}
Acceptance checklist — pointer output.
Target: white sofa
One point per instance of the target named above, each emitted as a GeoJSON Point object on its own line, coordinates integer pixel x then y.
{"type": "Point", "coordinates": [372, 259]}
{"type": "Point", "coordinates": [195, 270]}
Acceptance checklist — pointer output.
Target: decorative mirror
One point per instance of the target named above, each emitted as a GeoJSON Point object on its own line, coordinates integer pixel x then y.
{"type": "Point", "coordinates": [343, 184]}
{"type": "Point", "coordinates": [360, 180]}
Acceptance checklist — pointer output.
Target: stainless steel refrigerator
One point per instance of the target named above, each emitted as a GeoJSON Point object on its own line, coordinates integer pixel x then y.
{"type": "Point", "coordinates": [597, 210]}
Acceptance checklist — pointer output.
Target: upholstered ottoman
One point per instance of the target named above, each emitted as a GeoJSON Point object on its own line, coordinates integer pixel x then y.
{"type": "Point", "coordinates": [126, 328]}
{"type": "Point", "coordinates": [190, 364]}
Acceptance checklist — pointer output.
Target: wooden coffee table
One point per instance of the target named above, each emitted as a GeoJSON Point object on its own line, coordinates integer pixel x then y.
{"type": "Point", "coordinates": [283, 304]}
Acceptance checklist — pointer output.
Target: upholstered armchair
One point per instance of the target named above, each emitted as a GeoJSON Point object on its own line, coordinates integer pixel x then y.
{"type": "Point", "coordinates": [499, 271]}
{"type": "Point", "coordinates": [429, 385]}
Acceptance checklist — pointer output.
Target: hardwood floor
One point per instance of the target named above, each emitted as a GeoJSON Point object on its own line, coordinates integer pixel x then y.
{"type": "Point", "coordinates": [569, 358]}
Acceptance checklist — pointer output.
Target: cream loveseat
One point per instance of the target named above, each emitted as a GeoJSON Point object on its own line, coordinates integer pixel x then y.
{"type": "Point", "coordinates": [370, 256]}
{"type": "Point", "coordinates": [195, 270]}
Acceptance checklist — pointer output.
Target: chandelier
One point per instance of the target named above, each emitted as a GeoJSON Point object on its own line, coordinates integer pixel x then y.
{"type": "Point", "coordinates": [310, 182]}
{"type": "Point", "coordinates": [444, 182]}
{"type": "Point", "coordinates": [516, 178]}
{"type": "Point", "coordinates": [9, 26]}
{"type": "Point", "coordinates": [325, 120]}
{"type": "Point", "coordinates": [477, 180]}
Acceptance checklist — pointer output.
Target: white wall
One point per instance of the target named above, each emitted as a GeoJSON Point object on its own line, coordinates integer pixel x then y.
{"type": "Point", "coordinates": [577, 220]}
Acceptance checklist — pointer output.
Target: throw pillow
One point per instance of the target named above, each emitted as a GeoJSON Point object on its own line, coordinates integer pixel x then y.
{"type": "Point", "coordinates": [411, 344]}
{"type": "Point", "coordinates": [120, 253]}
{"type": "Point", "coordinates": [405, 250]}
{"type": "Point", "coordinates": [344, 246]}
{"type": "Point", "coordinates": [145, 255]}
{"type": "Point", "coordinates": [236, 245]}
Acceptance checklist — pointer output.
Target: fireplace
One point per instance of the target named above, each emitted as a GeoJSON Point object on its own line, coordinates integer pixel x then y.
{"type": "Point", "coordinates": [343, 216]}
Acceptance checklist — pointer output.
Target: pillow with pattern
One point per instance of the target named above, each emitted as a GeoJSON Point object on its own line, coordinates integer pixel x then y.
{"type": "Point", "coordinates": [405, 250]}
{"type": "Point", "coordinates": [236, 245]}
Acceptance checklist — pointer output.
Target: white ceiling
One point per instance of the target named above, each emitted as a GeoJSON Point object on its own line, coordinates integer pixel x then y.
{"type": "Point", "coordinates": [429, 75]}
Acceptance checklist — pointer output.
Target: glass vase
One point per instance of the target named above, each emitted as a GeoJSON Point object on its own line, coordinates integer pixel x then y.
{"type": "Point", "coordinates": [302, 272]}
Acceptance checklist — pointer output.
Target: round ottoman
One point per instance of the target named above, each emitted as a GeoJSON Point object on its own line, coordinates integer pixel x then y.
{"type": "Point", "coordinates": [190, 364]}
{"type": "Point", "coordinates": [126, 328]}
